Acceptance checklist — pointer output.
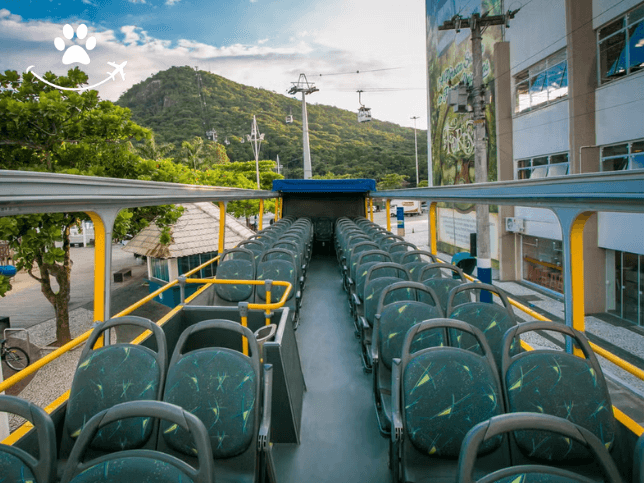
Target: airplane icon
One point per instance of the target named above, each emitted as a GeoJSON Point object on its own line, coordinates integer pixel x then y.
{"type": "Point", "coordinates": [118, 69]}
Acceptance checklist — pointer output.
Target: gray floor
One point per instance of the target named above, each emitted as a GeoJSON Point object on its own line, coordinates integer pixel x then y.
{"type": "Point", "coordinates": [340, 441]}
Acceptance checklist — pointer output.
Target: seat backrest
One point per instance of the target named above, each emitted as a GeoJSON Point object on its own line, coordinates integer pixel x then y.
{"type": "Point", "coordinates": [354, 255]}
{"type": "Point", "coordinates": [136, 373]}
{"type": "Point", "coordinates": [505, 423]}
{"type": "Point", "coordinates": [236, 264]}
{"type": "Point", "coordinates": [220, 386]}
{"type": "Point", "coordinates": [375, 284]}
{"type": "Point", "coordinates": [282, 268]}
{"type": "Point", "coordinates": [141, 465]}
{"type": "Point", "coordinates": [413, 261]}
{"type": "Point", "coordinates": [492, 319]}
{"type": "Point", "coordinates": [254, 246]}
{"type": "Point", "coordinates": [434, 270]}
{"type": "Point", "coordinates": [445, 391]}
{"type": "Point", "coordinates": [557, 383]}
{"type": "Point", "coordinates": [442, 287]}
{"type": "Point", "coordinates": [388, 240]}
{"type": "Point", "coordinates": [393, 320]}
{"type": "Point", "coordinates": [17, 464]}
{"type": "Point", "coordinates": [367, 260]}
{"type": "Point", "coordinates": [398, 249]}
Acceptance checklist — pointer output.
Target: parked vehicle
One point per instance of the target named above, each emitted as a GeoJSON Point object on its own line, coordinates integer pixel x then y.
{"type": "Point", "coordinates": [410, 207]}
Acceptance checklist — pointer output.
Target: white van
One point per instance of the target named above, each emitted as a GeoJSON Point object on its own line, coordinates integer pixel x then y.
{"type": "Point", "coordinates": [410, 207]}
{"type": "Point", "coordinates": [82, 239]}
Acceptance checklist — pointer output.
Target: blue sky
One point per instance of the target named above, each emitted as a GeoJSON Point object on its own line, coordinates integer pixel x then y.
{"type": "Point", "coordinates": [263, 43]}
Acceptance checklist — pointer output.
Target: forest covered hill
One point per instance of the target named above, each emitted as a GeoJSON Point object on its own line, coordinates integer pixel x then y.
{"type": "Point", "coordinates": [180, 103]}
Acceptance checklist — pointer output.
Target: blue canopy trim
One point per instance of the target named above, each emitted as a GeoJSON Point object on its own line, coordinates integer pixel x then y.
{"type": "Point", "coordinates": [324, 185]}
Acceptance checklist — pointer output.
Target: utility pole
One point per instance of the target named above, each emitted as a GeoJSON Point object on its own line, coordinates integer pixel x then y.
{"type": "Point", "coordinates": [302, 85]}
{"type": "Point", "coordinates": [279, 166]}
{"type": "Point", "coordinates": [256, 138]}
{"type": "Point", "coordinates": [476, 23]}
{"type": "Point", "coordinates": [416, 146]}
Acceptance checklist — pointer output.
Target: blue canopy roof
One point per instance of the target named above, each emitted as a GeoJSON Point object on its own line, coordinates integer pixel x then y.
{"type": "Point", "coordinates": [324, 185]}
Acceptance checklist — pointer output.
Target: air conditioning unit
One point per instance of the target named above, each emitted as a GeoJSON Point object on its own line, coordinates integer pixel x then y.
{"type": "Point", "coordinates": [515, 225]}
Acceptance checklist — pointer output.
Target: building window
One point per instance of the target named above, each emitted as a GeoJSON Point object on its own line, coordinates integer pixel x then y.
{"type": "Point", "coordinates": [193, 261]}
{"type": "Point", "coordinates": [543, 166]}
{"type": "Point", "coordinates": [629, 280]}
{"type": "Point", "coordinates": [541, 84]}
{"type": "Point", "coordinates": [160, 269]}
{"type": "Point", "coordinates": [620, 157]}
{"type": "Point", "coordinates": [542, 262]}
{"type": "Point", "coordinates": [620, 46]}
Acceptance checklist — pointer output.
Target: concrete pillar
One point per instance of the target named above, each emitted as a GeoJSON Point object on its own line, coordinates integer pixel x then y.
{"type": "Point", "coordinates": [504, 156]}
{"type": "Point", "coordinates": [582, 82]}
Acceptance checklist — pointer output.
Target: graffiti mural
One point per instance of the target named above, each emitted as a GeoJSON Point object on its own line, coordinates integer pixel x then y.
{"type": "Point", "coordinates": [449, 63]}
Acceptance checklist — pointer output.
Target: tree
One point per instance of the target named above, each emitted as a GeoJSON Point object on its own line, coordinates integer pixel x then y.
{"type": "Point", "coordinates": [149, 149]}
{"type": "Point", "coordinates": [423, 184]}
{"type": "Point", "coordinates": [45, 129]}
{"type": "Point", "coordinates": [392, 181]}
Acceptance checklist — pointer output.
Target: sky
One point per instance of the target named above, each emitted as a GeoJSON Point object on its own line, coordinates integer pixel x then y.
{"type": "Point", "coordinates": [261, 43]}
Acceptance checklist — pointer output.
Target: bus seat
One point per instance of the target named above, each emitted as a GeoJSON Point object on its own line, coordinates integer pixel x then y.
{"type": "Point", "coordinates": [560, 384]}
{"type": "Point", "coordinates": [638, 461]}
{"type": "Point", "coordinates": [379, 276]}
{"type": "Point", "coordinates": [505, 423]}
{"type": "Point", "coordinates": [443, 286]}
{"type": "Point", "coordinates": [356, 250]}
{"type": "Point", "coordinates": [399, 249]}
{"type": "Point", "coordinates": [254, 246]}
{"type": "Point", "coordinates": [283, 270]}
{"type": "Point", "coordinates": [492, 319]}
{"type": "Point", "coordinates": [413, 261]}
{"type": "Point", "coordinates": [235, 264]}
{"type": "Point", "coordinates": [298, 255]}
{"type": "Point", "coordinates": [390, 327]}
{"type": "Point", "coordinates": [230, 393]}
{"type": "Point", "coordinates": [438, 395]}
{"type": "Point", "coordinates": [140, 465]}
{"type": "Point", "coordinates": [136, 373]}
{"type": "Point", "coordinates": [388, 240]}
{"type": "Point", "coordinates": [17, 464]}
{"type": "Point", "coordinates": [356, 288]}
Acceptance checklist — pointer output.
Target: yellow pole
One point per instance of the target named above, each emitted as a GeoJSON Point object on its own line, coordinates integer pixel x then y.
{"type": "Point", "coordinates": [366, 207]}
{"type": "Point", "coordinates": [432, 228]}
{"type": "Point", "coordinates": [577, 271]}
{"type": "Point", "coordinates": [99, 266]}
{"type": "Point", "coordinates": [244, 323]}
{"type": "Point", "coordinates": [277, 209]}
{"type": "Point", "coordinates": [260, 223]}
{"type": "Point", "coordinates": [268, 311]}
{"type": "Point", "coordinates": [371, 209]}
{"type": "Point", "coordinates": [222, 226]}
{"type": "Point", "coordinates": [388, 210]}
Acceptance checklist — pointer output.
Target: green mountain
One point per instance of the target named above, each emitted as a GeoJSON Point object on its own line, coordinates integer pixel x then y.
{"type": "Point", "coordinates": [180, 103]}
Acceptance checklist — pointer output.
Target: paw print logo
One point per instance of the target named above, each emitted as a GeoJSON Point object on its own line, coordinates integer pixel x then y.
{"type": "Point", "coordinates": [75, 53]}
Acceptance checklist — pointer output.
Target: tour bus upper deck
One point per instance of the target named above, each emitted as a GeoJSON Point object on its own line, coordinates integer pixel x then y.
{"type": "Point", "coordinates": [323, 421]}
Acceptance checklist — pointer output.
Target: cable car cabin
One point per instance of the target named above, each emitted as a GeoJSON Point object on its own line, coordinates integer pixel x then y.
{"type": "Point", "coordinates": [393, 373]}
{"type": "Point", "coordinates": [364, 114]}
{"type": "Point", "coordinates": [289, 119]}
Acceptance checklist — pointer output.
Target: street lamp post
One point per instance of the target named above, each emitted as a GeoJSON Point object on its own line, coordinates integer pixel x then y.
{"type": "Point", "coordinates": [416, 146]}
{"type": "Point", "coordinates": [256, 139]}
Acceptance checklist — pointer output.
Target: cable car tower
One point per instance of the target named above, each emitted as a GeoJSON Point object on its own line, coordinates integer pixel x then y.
{"type": "Point", "coordinates": [302, 85]}
{"type": "Point", "coordinates": [364, 113]}
{"type": "Point", "coordinates": [289, 118]}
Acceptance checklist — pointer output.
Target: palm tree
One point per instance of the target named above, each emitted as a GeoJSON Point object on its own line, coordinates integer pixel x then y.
{"type": "Point", "coordinates": [193, 152]}
{"type": "Point", "coordinates": [151, 150]}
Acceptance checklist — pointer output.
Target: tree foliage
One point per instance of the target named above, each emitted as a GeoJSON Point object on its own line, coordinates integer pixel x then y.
{"type": "Point", "coordinates": [45, 129]}
{"type": "Point", "coordinates": [170, 104]}
{"type": "Point", "coordinates": [392, 181]}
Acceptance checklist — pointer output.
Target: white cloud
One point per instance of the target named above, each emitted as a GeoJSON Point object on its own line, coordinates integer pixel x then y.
{"type": "Point", "coordinates": [171, 2]}
{"type": "Point", "coordinates": [136, 1]}
{"type": "Point", "coordinates": [88, 2]}
{"type": "Point", "coordinates": [338, 46]}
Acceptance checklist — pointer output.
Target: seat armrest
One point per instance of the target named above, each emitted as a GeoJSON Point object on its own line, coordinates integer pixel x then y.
{"type": "Point", "coordinates": [396, 414]}
{"type": "Point", "coordinates": [364, 323]}
{"type": "Point", "coordinates": [298, 295]}
{"type": "Point", "coordinates": [349, 281]}
{"type": "Point", "coordinates": [356, 299]}
{"type": "Point", "coordinates": [263, 439]}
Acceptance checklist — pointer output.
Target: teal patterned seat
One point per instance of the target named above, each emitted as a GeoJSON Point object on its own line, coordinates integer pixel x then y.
{"type": "Point", "coordinates": [492, 319]}
{"type": "Point", "coordinates": [560, 384]}
{"type": "Point", "coordinates": [227, 391]}
{"type": "Point", "coordinates": [256, 247]}
{"type": "Point", "coordinates": [141, 465]}
{"type": "Point", "coordinates": [399, 249]}
{"type": "Point", "coordinates": [413, 261]}
{"type": "Point", "coordinates": [533, 473]}
{"type": "Point", "coordinates": [439, 394]}
{"type": "Point", "coordinates": [391, 325]}
{"type": "Point", "coordinates": [136, 373]}
{"type": "Point", "coordinates": [17, 465]}
{"type": "Point", "coordinates": [235, 264]}
{"type": "Point", "coordinates": [283, 270]}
